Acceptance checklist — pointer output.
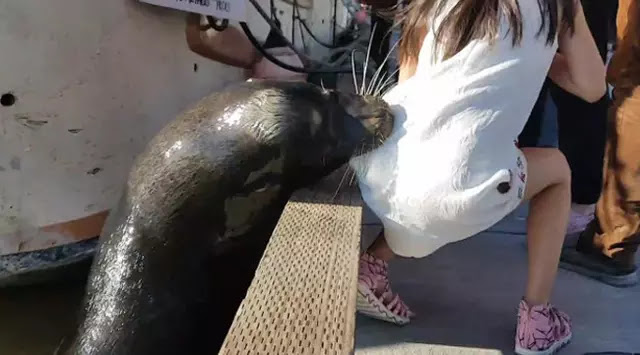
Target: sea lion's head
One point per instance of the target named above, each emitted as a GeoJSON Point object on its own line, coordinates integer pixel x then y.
{"type": "Point", "coordinates": [315, 131]}
{"type": "Point", "coordinates": [348, 125]}
{"type": "Point", "coordinates": [368, 120]}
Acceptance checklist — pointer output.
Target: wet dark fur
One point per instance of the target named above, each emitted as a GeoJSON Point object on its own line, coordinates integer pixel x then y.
{"type": "Point", "coordinates": [179, 251]}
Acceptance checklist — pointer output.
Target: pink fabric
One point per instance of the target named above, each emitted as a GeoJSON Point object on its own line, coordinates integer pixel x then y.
{"type": "Point", "coordinates": [540, 327]}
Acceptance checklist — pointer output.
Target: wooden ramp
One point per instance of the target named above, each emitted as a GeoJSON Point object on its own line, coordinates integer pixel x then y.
{"type": "Point", "coordinates": [302, 299]}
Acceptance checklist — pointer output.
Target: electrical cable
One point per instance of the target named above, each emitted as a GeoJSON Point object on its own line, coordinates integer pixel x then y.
{"type": "Point", "coordinates": [278, 31]}
{"type": "Point", "coordinates": [335, 20]}
{"type": "Point", "coordinates": [293, 21]}
{"type": "Point", "coordinates": [315, 38]}
{"type": "Point", "coordinates": [304, 40]}
{"type": "Point", "coordinates": [286, 66]}
{"type": "Point", "coordinates": [319, 69]}
{"type": "Point", "coordinates": [216, 24]}
{"type": "Point", "coordinates": [304, 24]}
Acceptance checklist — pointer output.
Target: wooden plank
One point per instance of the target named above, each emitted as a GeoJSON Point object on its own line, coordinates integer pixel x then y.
{"type": "Point", "coordinates": [302, 299]}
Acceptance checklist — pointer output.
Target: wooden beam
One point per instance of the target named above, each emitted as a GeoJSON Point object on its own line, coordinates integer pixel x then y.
{"type": "Point", "coordinates": [302, 299]}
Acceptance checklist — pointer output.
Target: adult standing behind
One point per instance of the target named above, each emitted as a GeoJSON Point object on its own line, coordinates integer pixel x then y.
{"type": "Point", "coordinates": [582, 126]}
{"type": "Point", "coordinates": [606, 248]}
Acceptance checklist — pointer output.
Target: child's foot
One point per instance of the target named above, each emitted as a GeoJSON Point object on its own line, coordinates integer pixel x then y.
{"type": "Point", "coordinates": [375, 298]}
{"type": "Point", "coordinates": [542, 329]}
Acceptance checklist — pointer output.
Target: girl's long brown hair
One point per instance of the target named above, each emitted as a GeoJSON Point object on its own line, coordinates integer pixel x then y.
{"type": "Point", "coordinates": [474, 19]}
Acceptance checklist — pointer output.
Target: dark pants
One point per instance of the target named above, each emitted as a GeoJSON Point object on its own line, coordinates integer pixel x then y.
{"type": "Point", "coordinates": [532, 131]}
{"type": "Point", "coordinates": [582, 125]}
{"type": "Point", "coordinates": [582, 137]}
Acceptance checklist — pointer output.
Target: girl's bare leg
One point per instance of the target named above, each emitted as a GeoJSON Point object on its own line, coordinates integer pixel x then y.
{"type": "Point", "coordinates": [549, 190]}
{"type": "Point", "coordinates": [380, 249]}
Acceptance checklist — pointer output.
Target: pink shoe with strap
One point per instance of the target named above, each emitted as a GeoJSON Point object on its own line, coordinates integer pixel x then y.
{"type": "Point", "coordinates": [542, 329]}
{"type": "Point", "coordinates": [375, 298]}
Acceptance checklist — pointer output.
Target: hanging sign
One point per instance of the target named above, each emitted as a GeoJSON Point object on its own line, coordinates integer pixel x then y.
{"type": "Point", "coordinates": [222, 9]}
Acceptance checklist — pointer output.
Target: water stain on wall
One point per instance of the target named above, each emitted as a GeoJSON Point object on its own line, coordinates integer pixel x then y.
{"type": "Point", "coordinates": [15, 163]}
{"type": "Point", "coordinates": [26, 121]}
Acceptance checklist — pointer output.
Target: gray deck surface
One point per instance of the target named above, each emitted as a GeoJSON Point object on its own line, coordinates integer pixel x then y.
{"type": "Point", "coordinates": [466, 296]}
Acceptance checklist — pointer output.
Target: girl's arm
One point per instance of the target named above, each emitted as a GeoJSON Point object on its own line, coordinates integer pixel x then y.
{"type": "Point", "coordinates": [577, 67]}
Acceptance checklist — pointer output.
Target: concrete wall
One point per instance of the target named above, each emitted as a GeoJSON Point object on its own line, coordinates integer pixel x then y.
{"type": "Point", "coordinates": [93, 81]}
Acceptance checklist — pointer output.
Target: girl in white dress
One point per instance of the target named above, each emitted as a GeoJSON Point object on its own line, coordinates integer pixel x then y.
{"type": "Point", "coordinates": [471, 71]}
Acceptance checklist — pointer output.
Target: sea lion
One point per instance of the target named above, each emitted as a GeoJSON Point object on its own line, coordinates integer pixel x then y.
{"type": "Point", "coordinates": [179, 251]}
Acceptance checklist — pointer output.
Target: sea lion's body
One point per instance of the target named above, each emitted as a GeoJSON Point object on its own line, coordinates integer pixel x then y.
{"type": "Point", "coordinates": [179, 251]}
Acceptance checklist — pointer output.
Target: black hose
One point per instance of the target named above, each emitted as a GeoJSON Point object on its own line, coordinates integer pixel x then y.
{"type": "Point", "coordinates": [306, 27]}
{"type": "Point", "coordinates": [335, 20]}
{"type": "Point", "coordinates": [304, 41]}
{"type": "Point", "coordinates": [293, 22]}
{"type": "Point", "coordinates": [277, 30]}
{"type": "Point", "coordinates": [319, 70]}
{"type": "Point", "coordinates": [213, 23]}
{"type": "Point", "coordinates": [286, 66]}
{"type": "Point", "coordinates": [313, 36]}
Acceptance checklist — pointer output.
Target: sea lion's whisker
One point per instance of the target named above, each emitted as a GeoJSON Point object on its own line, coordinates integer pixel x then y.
{"type": "Point", "coordinates": [384, 62]}
{"type": "Point", "coordinates": [353, 178]}
{"type": "Point", "coordinates": [57, 349]}
{"type": "Point", "coordinates": [353, 71]}
{"type": "Point", "coordinates": [391, 77]}
{"type": "Point", "coordinates": [381, 80]}
{"type": "Point", "coordinates": [346, 171]}
{"type": "Point", "coordinates": [358, 166]}
{"type": "Point", "coordinates": [383, 84]}
{"type": "Point", "coordinates": [386, 82]}
{"type": "Point", "coordinates": [358, 151]}
{"type": "Point", "coordinates": [387, 90]}
{"type": "Point", "coordinates": [374, 82]}
{"type": "Point", "coordinates": [366, 61]}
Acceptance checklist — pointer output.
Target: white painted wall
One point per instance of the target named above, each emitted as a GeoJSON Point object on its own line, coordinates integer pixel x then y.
{"type": "Point", "coordinates": [116, 71]}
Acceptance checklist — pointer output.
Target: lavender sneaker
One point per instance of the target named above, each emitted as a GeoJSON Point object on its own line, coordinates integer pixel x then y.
{"type": "Point", "coordinates": [578, 222]}
{"type": "Point", "coordinates": [542, 329]}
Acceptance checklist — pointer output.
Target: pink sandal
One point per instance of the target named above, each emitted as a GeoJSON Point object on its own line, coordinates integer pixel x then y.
{"type": "Point", "coordinates": [375, 298]}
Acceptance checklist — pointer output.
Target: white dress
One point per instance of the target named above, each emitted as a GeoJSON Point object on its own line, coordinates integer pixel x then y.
{"type": "Point", "coordinates": [435, 179]}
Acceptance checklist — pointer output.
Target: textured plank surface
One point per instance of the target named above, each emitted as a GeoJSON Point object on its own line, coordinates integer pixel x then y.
{"type": "Point", "coordinates": [302, 299]}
